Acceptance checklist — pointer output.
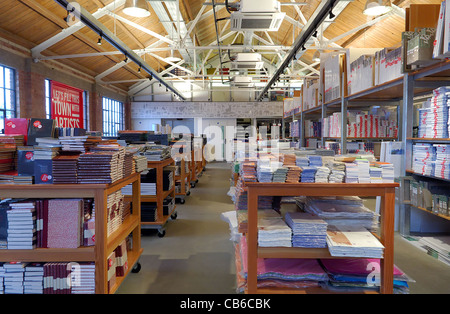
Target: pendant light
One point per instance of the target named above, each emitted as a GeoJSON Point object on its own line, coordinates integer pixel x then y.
{"type": "Point", "coordinates": [316, 56]}
{"type": "Point", "coordinates": [172, 58]}
{"type": "Point", "coordinates": [136, 8]}
{"type": "Point", "coordinates": [377, 7]}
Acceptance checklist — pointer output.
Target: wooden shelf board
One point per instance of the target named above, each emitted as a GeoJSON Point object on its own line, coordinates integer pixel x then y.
{"type": "Point", "coordinates": [297, 252]}
{"type": "Point", "coordinates": [81, 254]}
{"type": "Point", "coordinates": [312, 290]}
{"type": "Point", "coordinates": [430, 212]}
{"type": "Point", "coordinates": [130, 224]}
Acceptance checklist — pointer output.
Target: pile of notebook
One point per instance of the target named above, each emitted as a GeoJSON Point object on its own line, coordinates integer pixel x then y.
{"type": "Point", "coordinates": [77, 143]}
{"type": "Point", "coordinates": [302, 161]}
{"type": "Point", "coordinates": [351, 172]}
{"type": "Point", "coordinates": [13, 277]}
{"type": "Point", "coordinates": [47, 148]}
{"type": "Point", "coordinates": [274, 233]}
{"type": "Point", "coordinates": [33, 281]}
{"type": "Point", "coordinates": [363, 170]}
{"type": "Point", "coordinates": [293, 174]}
{"type": "Point", "coordinates": [353, 242]}
{"type": "Point", "coordinates": [65, 167]}
{"type": "Point", "coordinates": [308, 230]}
{"type": "Point", "coordinates": [115, 206]}
{"type": "Point", "coordinates": [149, 211]}
{"type": "Point", "coordinates": [248, 171]}
{"type": "Point", "coordinates": [157, 152]}
{"type": "Point", "coordinates": [315, 160]}
{"type": "Point", "coordinates": [99, 167]}
{"type": "Point", "coordinates": [387, 171]}
{"type": "Point", "coordinates": [279, 175]}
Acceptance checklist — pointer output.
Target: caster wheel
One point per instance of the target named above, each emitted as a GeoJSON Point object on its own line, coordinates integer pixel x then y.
{"type": "Point", "coordinates": [188, 193]}
{"type": "Point", "coordinates": [162, 233]}
{"type": "Point", "coordinates": [174, 216]}
{"type": "Point", "coordinates": [182, 201]}
{"type": "Point", "coordinates": [196, 181]}
{"type": "Point", "coordinates": [192, 185]}
{"type": "Point", "coordinates": [136, 268]}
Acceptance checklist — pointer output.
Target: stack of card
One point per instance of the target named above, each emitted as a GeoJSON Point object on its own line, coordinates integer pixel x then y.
{"type": "Point", "coordinates": [21, 225]}
{"type": "Point", "coordinates": [308, 230]}
{"type": "Point", "coordinates": [363, 170]}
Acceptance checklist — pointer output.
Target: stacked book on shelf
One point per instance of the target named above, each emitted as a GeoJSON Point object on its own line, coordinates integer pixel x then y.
{"type": "Point", "coordinates": [308, 230]}
{"type": "Point", "coordinates": [274, 232]}
{"type": "Point", "coordinates": [21, 219]}
{"type": "Point", "coordinates": [158, 152]}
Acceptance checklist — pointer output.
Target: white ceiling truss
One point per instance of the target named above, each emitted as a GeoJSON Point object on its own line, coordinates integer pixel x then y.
{"type": "Point", "coordinates": [196, 59]}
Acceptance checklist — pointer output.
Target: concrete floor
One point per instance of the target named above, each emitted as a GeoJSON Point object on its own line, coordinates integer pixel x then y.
{"type": "Point", "coordinates": [197, 257]}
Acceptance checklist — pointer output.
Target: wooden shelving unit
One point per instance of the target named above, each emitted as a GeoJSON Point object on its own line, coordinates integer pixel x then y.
{"type": "Point", "coordinates": [386, 236]}
{"type": "Point", "coordinates": [159, 197]}
{"type": "Point", "coordinates": [184, 179]}
{"type": "Point", "coordinates": [104, 244]}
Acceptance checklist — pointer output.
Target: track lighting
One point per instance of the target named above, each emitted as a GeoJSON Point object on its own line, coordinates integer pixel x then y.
{"type": "Point", "coordinates": [315, 34]}
{"type": "Point", "coordinates": [139, 70]}
{"type": "Point", "coordinates": [332, 16]}
{"type": "Point", "coordinates": [99, 41]}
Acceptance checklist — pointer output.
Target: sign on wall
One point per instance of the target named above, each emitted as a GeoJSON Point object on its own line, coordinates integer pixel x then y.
{"type": "Point", "coordinates": [67, 106]}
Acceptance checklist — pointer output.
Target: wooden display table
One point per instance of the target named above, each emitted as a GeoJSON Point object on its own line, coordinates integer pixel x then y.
{"type": "Point", "coordinates": [385, 190]}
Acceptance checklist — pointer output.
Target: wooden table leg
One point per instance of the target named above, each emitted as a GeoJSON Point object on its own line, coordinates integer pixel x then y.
{"type": "Point", "coordinates": [387, 213]}
{"type": "Point", "coordinates": [252, 242]}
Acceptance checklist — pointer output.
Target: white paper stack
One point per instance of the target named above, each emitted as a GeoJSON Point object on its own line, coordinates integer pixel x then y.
{"type": "Point", "coordinates": [13, 280]}
{"type": "Point", "coordinates": [353, 242]}
{"type": "Point", "coordinates": [442, 166]}
{"type": "Point", "coordinates": [308, 230]}
{"type": "Point", "coordinates": [322, 174]}
{"type": "Point", "coordinates": [363, 170]}
{"type": "Point", "coordinates": [423, 114]}
{"type": "Point", "coordinates": [21, 226]}
{"type": "Point", "coordinates": [424, 155]}
{"type": "Point", "coordinates": [2, 276]}
{"type": "Point", "coordinates": [387, 171]}
{"type": "Point", "coordinates": [273, 233]}
{"type": "Point", "coordinates": [351, 172]}
{"type": "Point", "coordinates": [34, 279]}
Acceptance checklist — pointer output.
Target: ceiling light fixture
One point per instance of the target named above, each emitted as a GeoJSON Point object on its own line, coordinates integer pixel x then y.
{"type": "Point", "coordinates": [316, 56]}
{"type": "Point", "coordinates": [377, 7]}
{"type": "Point", "coordinates": [136, 8]}
{"type": "Point", "coordinates": [332, 16]}
{"type": "Point", "coordinates": [172, 58]}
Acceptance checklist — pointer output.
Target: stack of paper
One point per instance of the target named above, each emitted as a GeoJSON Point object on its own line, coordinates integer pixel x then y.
{"type": "Point", "coordinates": [280, 174]}
{"type": "Point", "coordinates": [363, 170]}
{"type": "Point", "coordinates": [322, 174]}
{"type": "Point", "coordinates": [273, 233]}
{"type": "Point", "coordinates": [21, 225]}
{"type": "Point", "coordinates": [302, 161]}
{"type": "Point", "coordinates": [34, 279]}
{"type": "Point", "coordinates": [424, 155]}
{"type": "Point", "coordinates": [82, 277]}
{"type": "Point", "coordinates": [2, 276]}
{"type": "Point", "coordinates": [157, 152]}
{"type": "Point", "coordinates": [140, 162]}
{"type": "Point", "coordinates": [264, 170]}
{"type": "Point", "coordinates": [442, 167]}
{"type": "Point", "coordinates": [315, 160]}
{"type": "Point", "coordinates": [289, 159]}
{"type": "Point", "coordinates": [308, 230]}
{"type": "Point", "coordinates": [353, 242]}
{"type": "Point", "coordinates": [351, 172]}
{"type": "Point", "coordinates": [336, 176]}
{"type": "Point", "coordinates": [341, 211]}
{"type": "Point", "coordinates": [248, 171]}
{"type": "Point", "coordinates": [308, 174]}
{"type": "Point", "coordinates": [387, 171]}
{"type": "Point", "coordinates": [376, 175]}
{"type": "Point", "coordinates": [13, 280]}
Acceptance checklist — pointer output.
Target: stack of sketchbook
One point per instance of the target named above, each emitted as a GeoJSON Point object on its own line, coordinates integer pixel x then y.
{"type": "Point", "coordinates": [13, 277]}
{"type": "Point", "coordinates": [65, 167]}
{"type": "Point", "coordinates": [308, 230]}
{"type": "Point", "coordinates": [353, 242]}
{"type": "Point", "coordinates": [424, 158]}
{"type": "Point", "coordinates": [116, 208]}
{"type": "Point", "coordinates": [33, 278]}
{"type": "Point", "coordinates": [140, 162]}
{"type": "Point", "coordinates": [99, 167]}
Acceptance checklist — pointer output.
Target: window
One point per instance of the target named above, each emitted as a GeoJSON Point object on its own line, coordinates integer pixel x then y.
{"type": "Point", "coordinates": [113, 120]}
{"type": "Point", "coordinates": [7, 94]}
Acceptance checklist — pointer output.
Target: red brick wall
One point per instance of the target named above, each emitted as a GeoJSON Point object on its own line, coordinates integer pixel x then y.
{"type": "Point", "coordinates": [31, 94]}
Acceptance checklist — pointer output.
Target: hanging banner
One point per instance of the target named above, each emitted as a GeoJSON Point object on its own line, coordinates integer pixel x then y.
{"type": "Point", "coordinates": [67, 106]}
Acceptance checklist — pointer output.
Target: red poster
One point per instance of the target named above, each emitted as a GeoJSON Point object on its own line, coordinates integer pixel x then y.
{"type": "Point", "coordinates": [67, 106]}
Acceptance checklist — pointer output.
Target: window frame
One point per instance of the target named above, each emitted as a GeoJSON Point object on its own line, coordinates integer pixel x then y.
{"type": "Point", "coordinates": [13, 93]}
{"type": "Point", "coordinates": [113, 117]}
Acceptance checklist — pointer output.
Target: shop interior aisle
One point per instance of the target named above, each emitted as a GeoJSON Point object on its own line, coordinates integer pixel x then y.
{"type": "Point", "coordinates": [197, 257]}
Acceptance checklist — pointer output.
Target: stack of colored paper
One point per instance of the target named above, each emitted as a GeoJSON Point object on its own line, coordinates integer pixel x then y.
{"type": "Point", "coordinates": [274, 233]}
{"type": "Point", "coordinates": [442, 166]}
{"type": "Point", "coordinates": [308, 174]}
{"type": "Point", "coordinates": [437, 118]}
{"type": "Point", "coordinates": [424, 156]}
{"type": "Point", "coordinates": [351, 172]}
{"type": "Point", "coordinates": [322, 174]}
